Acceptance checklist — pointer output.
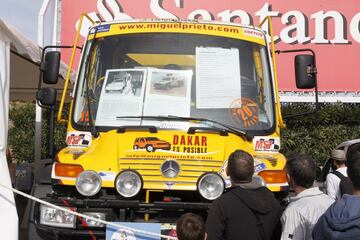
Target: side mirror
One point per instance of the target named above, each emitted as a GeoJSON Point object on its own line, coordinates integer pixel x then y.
{"type": "Point", "coordinates": [46, 96]}
{"type": "Point", "coordinates": [305, 71]}
{"type": "Point", "coordinates": [50, 67]}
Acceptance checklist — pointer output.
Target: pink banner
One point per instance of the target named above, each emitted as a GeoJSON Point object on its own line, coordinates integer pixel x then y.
{"type": "Point", "coordinates": [329, 27]}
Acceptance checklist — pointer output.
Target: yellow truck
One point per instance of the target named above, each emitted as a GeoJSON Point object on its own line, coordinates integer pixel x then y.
{"type": "Point", "coordinates": [150, 154]}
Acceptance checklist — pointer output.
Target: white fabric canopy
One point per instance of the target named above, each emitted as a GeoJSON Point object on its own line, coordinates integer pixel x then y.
{"type": "Point", "coordinates": [20, 43]}
{"type": "Point", "coordinates": [19, 61]}
{"type": "Point", "coordinates": [25, 58]}
{"type": "Point", "coordinates": [8, 216]}
{"type": "Point", "coordinates": [24, 46]}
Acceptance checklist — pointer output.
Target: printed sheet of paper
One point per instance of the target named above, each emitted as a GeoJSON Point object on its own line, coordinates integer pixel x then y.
{"type": "Point", "coordinates": [168, 92]}
{"type": "Point", "coordinates": [217, 77]}
{"type": "Point", "coordinates": [122, 95]}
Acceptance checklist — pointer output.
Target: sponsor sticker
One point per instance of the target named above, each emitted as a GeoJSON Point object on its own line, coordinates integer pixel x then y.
{"type": "Point", "coordinates": [266, 144]}
{"type": "Point", "coordinates": [253, 33]}
{"type": "Point", "coordinates": [186, 144]}
{"type": "Point", "coordinates": [260, 167]}
{"type": "Point", "coordinates": [99, 29]}
{"type": "Point", "coordinates": [107, 175]}
{"type": "Point", "coordinates": [78, 139]}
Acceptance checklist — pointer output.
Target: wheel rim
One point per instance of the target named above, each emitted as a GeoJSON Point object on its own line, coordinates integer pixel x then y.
{"type": "Point", "coordinates": [150, 148]}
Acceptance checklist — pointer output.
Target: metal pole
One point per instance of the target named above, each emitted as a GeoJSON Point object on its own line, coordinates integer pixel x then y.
{"type": "Point", "coordinates": [55, 23]}
{"type": "Point", "coordinates": [38, 113]}
{"type": "Point", "coordinates": [8, 214]}
{"type": "Point", "coordinates": [52, 109]}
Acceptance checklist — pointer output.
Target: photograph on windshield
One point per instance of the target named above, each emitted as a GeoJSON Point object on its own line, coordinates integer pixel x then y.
{"type": "Point", "coordinates": [168, 83]}
{"type": "Point", "coordinates": [124, 82]}
{"type": "Point", "coordinates": [168, 93]}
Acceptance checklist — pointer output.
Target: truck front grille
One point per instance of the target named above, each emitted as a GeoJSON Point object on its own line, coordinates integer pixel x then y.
{"type": "Point", "coordinates": [190, 170]}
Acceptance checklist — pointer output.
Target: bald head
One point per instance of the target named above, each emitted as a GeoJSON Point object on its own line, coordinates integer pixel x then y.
{"type": "Point", "coordinates": [240, 166]}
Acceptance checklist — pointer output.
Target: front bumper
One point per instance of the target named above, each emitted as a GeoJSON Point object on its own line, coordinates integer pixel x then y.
{"type": "Point", "coordinates": [116, 211]}
{"type": "Point", "coordinates": [46, 232]}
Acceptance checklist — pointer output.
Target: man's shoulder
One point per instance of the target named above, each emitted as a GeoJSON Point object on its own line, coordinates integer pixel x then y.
{"type": "Point", "coordinates": [312, 201]}
{"type": "Point", "coordinates": [343, 171]}
{"type": "Point", "coordinates": [331, 176]}
{"type": "Point", "coordinates": [293, 207]}
{"type": "Point", "coordinates": [347, 202]}
{"type": "Point", "coordinates": [225, 197]}
{"type": "Point", "coordinates": [234, 193]}
{"type": "Point", "coordinates": [260, 191]}
{"type": "Point", "coordinates": [345, 210]}
{"type": "Point", "coordinates": [321, 199]}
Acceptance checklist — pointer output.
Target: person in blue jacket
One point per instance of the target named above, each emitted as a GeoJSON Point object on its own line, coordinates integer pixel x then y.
{"type": "Point", "coordinates": [342, 219]}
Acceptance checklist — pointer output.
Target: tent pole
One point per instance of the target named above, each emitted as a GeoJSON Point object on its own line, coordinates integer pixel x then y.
{"type": "Point", "coordinates": [55, 23]}
{"type": "Point", "coordinates": [38, 113]}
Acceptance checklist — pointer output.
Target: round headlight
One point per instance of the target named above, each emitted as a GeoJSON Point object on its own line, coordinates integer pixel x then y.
{"type": "Point", "coordinates": [128, 183]}
{"type": "Point", "coordinates": [211, 186]}
{"type": "Point", "coordinates": [88, 183]}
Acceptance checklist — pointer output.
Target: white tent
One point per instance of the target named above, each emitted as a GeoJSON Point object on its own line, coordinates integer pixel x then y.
{"type": "Point", "coordinates": [19, 73]}
{"type": "Point", "coordinates": [9, 217]}
{"type": "Point", "coordinates": [25, 57]}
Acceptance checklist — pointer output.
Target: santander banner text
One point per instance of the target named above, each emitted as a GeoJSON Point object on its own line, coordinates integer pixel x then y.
{"type": "Point", "coordinates": [329, 27]}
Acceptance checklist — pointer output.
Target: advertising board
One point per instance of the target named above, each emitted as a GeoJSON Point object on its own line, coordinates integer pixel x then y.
{"type": "Point", "coordinates": [331, 29]}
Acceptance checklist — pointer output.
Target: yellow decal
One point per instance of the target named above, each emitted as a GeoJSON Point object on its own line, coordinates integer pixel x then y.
{"type": "Point", "coordinates": [243, 33]}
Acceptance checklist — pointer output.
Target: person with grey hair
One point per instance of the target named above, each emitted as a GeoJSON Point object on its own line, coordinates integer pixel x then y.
{"type": "Point", "coordinates": [333, 179]}
{"type": "Point", "coordinates": [247, 210]}
{"type": "Point", "coordinates": [309, 203]}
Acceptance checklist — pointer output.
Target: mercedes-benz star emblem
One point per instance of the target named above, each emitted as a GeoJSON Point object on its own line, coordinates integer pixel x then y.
{"type": "Point", "coordinates": [170, 168]}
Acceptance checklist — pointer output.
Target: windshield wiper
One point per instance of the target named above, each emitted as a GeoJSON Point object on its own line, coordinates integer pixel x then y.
{"type": "Point", "coordinates": [228, 128]}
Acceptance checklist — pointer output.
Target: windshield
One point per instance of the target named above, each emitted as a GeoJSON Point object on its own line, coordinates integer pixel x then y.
{"type": "Point", "coordinates": [127, 76]}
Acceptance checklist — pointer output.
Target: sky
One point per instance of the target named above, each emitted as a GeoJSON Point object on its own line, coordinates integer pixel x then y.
{"type": "Point", "coordinates": [23, 14]}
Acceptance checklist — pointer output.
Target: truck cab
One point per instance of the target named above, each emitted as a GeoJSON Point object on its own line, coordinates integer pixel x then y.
{"type": "Point", "coordinates": [150, 153]}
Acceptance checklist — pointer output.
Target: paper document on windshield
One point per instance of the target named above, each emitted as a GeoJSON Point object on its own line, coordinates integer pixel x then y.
{"type": "Point", "coordinates": [121, 95]}
{"type": "Point", "coordinates": [168, 92]}
{"type": "Point", "coordinates": [217, 77]}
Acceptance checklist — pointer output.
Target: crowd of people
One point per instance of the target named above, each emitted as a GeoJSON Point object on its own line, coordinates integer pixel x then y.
{"type": "Point", "coordinates": [250, 211]}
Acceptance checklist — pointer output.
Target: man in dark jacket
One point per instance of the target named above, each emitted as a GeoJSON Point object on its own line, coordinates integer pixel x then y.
{"type": "Point", "coordinates": [342, 219]}
{"type": "Point", "coordinates": [246, 211]}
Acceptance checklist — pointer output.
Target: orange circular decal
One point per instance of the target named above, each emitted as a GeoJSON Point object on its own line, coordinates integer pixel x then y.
{"type": "Point", "coordinates": [245, 112]}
